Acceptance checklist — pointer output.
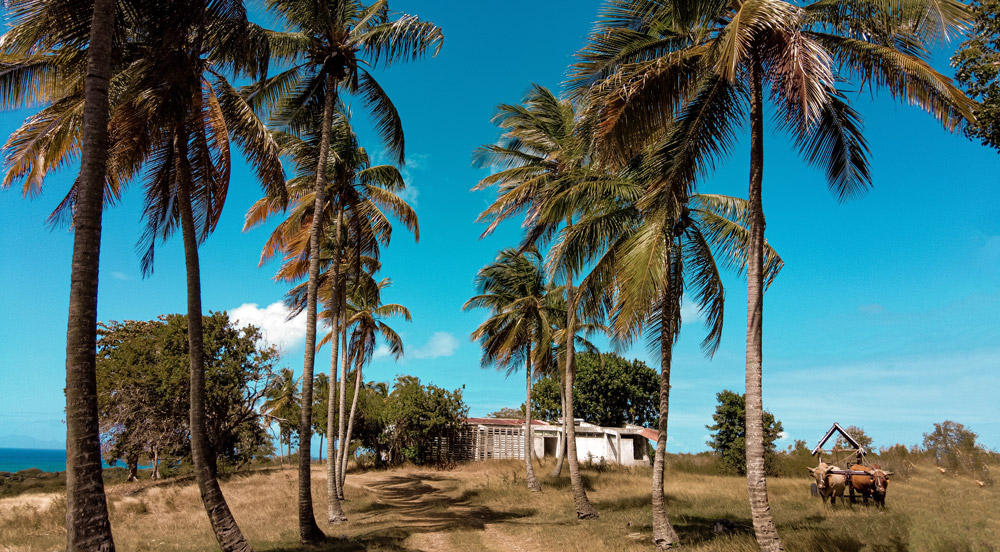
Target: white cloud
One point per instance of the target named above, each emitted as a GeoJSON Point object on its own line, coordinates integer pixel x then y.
{"type": "Point", "coordinates": [272, 320]}
{"type": "Point", "coordinates": [121, 276]}
{"type": "Point", "coordinates": [440, 344]}
{"type": "Point", "coordinates": [382, 351]}
{"type": "Point", "coordinates": [689, 311]}
{"type": "Point", "coordinates": [411, 193]}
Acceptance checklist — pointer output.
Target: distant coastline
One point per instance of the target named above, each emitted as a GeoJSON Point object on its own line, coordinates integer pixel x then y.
{"type": "Point", "coordinates": [17, 459]}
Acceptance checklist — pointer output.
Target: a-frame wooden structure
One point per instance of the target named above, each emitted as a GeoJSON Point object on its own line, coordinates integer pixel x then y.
{"type": "Point", "coordinates": [859, 451]}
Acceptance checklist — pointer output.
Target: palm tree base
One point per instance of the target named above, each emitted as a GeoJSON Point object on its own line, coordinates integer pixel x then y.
{"type": "Point", "coordinates": [313, 535]}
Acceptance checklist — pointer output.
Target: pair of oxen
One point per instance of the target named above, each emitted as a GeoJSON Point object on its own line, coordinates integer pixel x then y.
{"type": "Point", "coordinates": [871, 484]}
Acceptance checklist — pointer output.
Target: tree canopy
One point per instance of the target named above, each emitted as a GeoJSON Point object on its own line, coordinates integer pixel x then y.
{"type": "Point", "coordinates": [977, 66]}
{"type": "Point", "coordinates": [610, 391]}
{"type": "Point", "coordinates": [729, 434]}
{"type": "Point", "coordinates": [142, 383]}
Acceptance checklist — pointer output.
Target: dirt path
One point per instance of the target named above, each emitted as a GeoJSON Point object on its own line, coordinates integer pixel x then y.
{"type": "Point", "coordinates": [429, 508]}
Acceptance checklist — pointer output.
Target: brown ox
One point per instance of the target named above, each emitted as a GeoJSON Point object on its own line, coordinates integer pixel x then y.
{"type": "Point", "coordinates": [873, 485]}
{"type": "Point", "coordinates": [829, 484]}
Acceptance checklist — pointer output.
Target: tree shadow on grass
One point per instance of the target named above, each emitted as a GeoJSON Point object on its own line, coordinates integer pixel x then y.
{"type": "Point", "coordinates": [407, 505]}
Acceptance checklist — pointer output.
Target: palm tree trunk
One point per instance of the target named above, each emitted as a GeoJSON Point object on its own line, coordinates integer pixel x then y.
{"type": "Point", "coordinates": [227, 532]}
{"type": "Point", "coordinates": [309, 531]}
{"type": "Point", "coordinates": [561, 437]}
{"type": "Point", "coordinates": [87, 525]}
{"type": "Point", "coordinates": [584, 509]}
{"type": "Point", "coordinates": [350, 421]}
{"type": "Point", "coordinates": [342, 408]}
{"type": "Point", "coordinates": [335, 512]}
{"type": "Point", "coordinates": [528, 441]}
{"type": "Point", "coordinates": [760, 510]}
{"type": "Point", "coordinates": [664, 535]}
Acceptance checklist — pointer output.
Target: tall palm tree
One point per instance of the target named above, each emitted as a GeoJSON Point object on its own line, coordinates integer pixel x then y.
{"type": "Point", "coordinates": [357, 204]}
{"type": "Point", "coordinates": [366, 314]}
{"type": "Point", "coordinates": [655, 249]}
{"type": "Point", "coordinates": [513, 289]}
{"type": "Point", "coordinates": [174, 113]}
{"type": "Point", "coordinates": [702, 67]}
{"type": "Point", "coordinates": [541, 154]}
{"type": "Point", "coordinates": [87, 525]}
{"type": "Point", "coordinates": [331, 44]}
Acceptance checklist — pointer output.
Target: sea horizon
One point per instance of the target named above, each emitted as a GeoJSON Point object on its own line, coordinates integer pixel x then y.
{"type": "Point", "coordinates": [15, 459]}
{"type": "Point", "coordinates": [18, 459]}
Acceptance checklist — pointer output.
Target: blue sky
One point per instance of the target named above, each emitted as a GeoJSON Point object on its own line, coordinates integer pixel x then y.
{"type": "Point", "coordinates": [885, 315]}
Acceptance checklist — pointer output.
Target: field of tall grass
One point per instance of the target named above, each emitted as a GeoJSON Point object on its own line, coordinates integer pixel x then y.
{"type": "Point", "coordinates": [485, 506]}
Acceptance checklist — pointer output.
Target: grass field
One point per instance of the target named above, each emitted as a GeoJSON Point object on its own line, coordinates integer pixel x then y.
{"type": "Point", "coordinates": [485, 506]}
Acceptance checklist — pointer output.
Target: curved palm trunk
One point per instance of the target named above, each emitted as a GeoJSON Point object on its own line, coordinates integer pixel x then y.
{"type": "Point", "coordinates": [584, 509]}
{"type": "Point", "coordinates": [528, 441]}
{"type": "Point", "coordinates": [350, 422]}
{"type": "Point", "coordinates": [342, 408]}
{"type": "Point", "coordinates": [87, 525]}
{"type": "Point", "coordinates": [227, 532]}
{"type": "Point", "coordinates": [760, 510]}
{"type": "Point", "coordinates": [561, 444]}
{"type": "Point", "coordinates": [309, 531]}
{"type": "Point", "coordinates": [664, 535]}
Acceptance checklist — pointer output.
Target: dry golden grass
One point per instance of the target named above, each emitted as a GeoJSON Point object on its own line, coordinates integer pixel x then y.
{"type": "Point", "coordinates": [485, 506]}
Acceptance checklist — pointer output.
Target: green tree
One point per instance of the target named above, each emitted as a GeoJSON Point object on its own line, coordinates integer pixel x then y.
{"type": "Point", "coordinates": [952, 445]}
{"type": "Point", "coordinates": [696, 69]}
{"type": "Point", "coordinates": [513, 289]}
{"type": "Point", "coordinates": [609, 391]}
{"type": "Point", "coordinates": [859, 435]}
{"type": "Point", "coordinates": [331, 46]}
{"type": "Point", "coordinates": [729, 434]}
{"type": "Point", "coordinates": [142, 369]}
{"type": "Point", "coordinates": [507, 412]}
{"type": "Point", "coordinates": [401, 425]}
{"type": "Point", "coordinates": [977, 66]}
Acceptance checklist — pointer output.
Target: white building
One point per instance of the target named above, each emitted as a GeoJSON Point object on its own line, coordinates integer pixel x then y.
{"type": "Point", "coordinates": [499, 438]}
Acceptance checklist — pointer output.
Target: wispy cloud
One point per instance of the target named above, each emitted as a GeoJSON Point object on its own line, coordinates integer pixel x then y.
{"type": "Point", "coordinates": [121, 276]}
{"type": "Point", "coordinates": [273, 322]}
{"type": "Point", "coordinates": [689, 311]}
{"type": "Point", "coordinates": [873, 308]}
{"type": "Point", "coordinates": [440, 344]}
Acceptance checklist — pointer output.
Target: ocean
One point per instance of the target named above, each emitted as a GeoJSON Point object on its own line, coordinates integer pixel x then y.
{"type": "Point", "coordinates": [48, 460]}
{"type": "Point", "coordinates": [14, 459]}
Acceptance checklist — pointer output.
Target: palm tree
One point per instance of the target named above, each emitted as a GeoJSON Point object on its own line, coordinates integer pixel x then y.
{"type": "Point", "coordinates": [656, 249]}
{"type": "Point", "coordinates": [281, 404]}
{"type": "Point", "coordinates": [321, 386]}
{"type": "Point", "coordinates": [542, 154]}
{"type": "Point", "coordinates": [357, 203]}
{"type": "Point", "coordinates": [513, 288]}
{"type": "Point", "coordinates": [87, 525]}
{"type": "Point", "coordinates": [701, 67]}
{"type": "Point", "coordinates": [173, 112]}
{"type": "Point", "coordinates": [366, 314]}
{"type": "Point", "coordinates": [324, 48]}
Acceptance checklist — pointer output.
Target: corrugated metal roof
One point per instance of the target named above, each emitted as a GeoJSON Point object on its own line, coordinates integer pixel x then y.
{"type": "Point", "coordinates": [503, 422]}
